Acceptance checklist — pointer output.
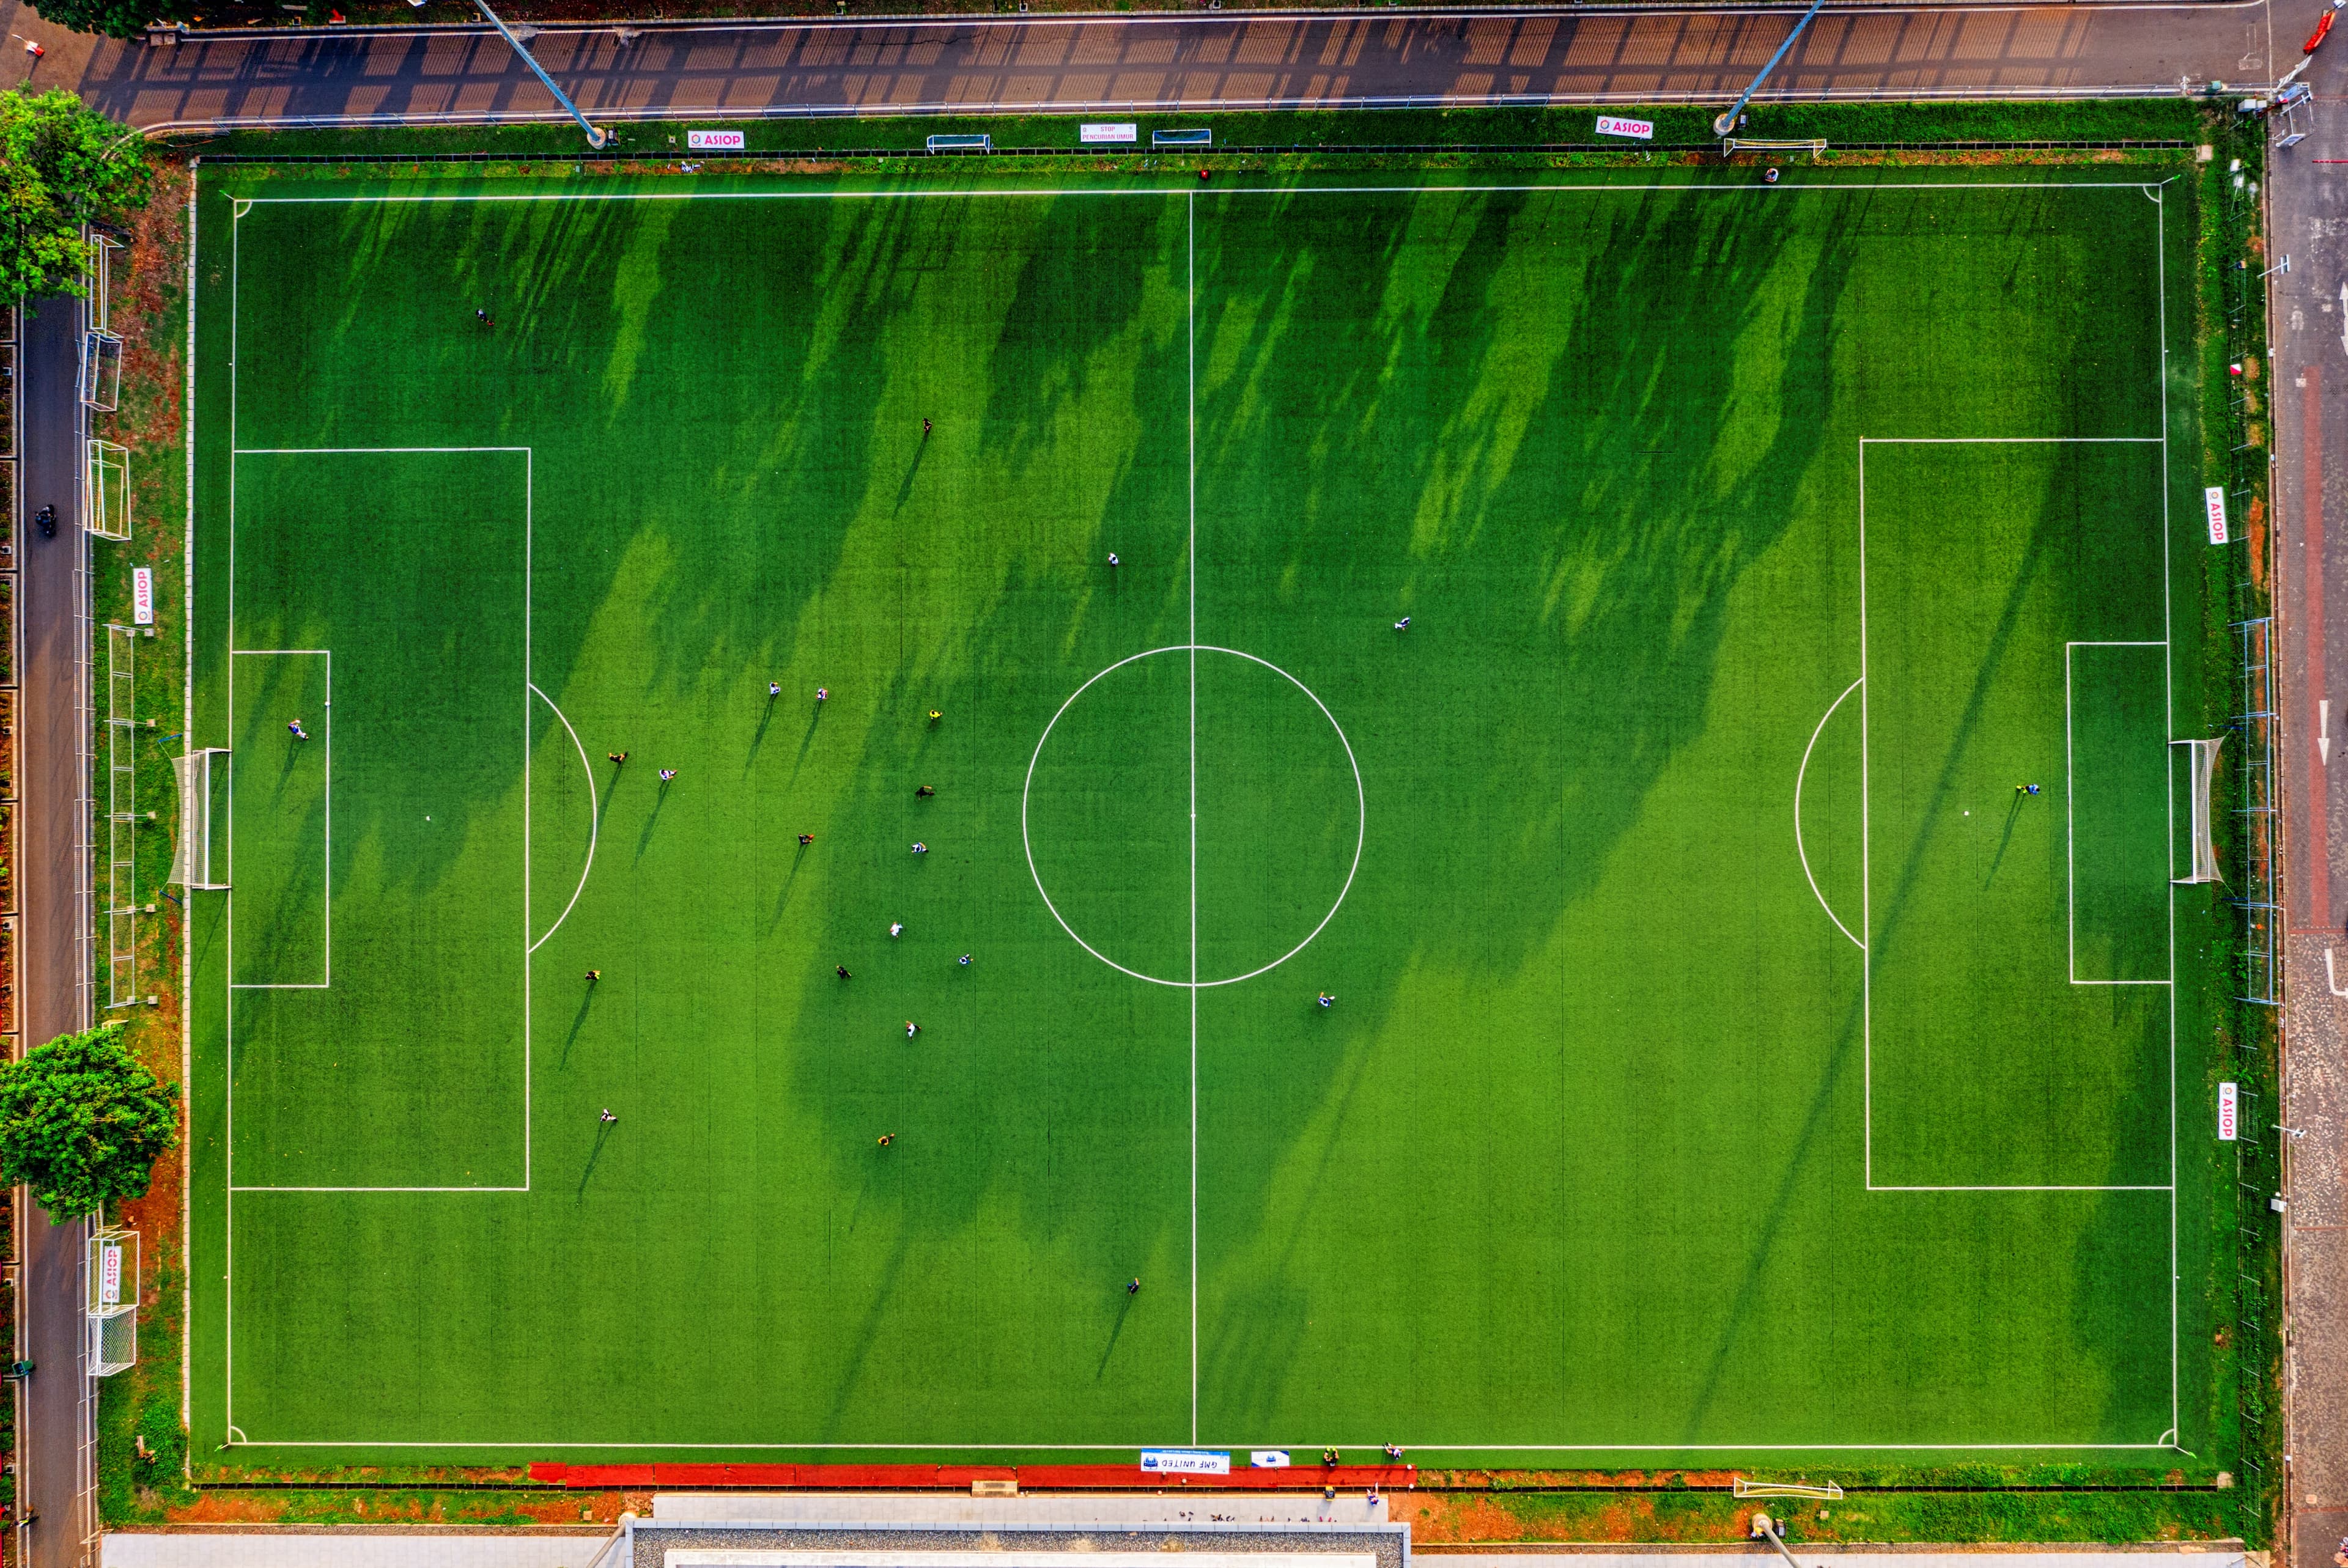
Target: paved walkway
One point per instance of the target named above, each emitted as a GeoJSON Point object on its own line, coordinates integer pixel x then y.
{"type": "Point", "coordinates": [1163, 61]}
{"type": "Point", "coordinates": [355, 1547]}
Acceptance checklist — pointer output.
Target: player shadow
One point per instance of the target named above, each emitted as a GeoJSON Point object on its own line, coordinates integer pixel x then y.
{"type": "Point", "coordinates": [806, 739]}
{"type": "Point", "coordinates": [758, 737]}
{"type": "Point", "coordinates": [578, 1022]}
{"type": "Point", "coordinates": [883, 1295]}
{"type": "Point", "coordinates": [1895, 910]}
{"type": "Point", "coordinates": [610, 784]}
{"type": "Point", "coordinates": [2012, 815]}
{"type": "Point", "coordinates": [645, 839]}
{"type": "Point", "coordinates": [1756, 1261]}
{"type": "Point", "coordinates": [783, 898]}
{"type": "Point", "coordinates": [602, 1134]}
{"type": "Point", "coordinates": [1123, 1312]}
{"type": "Point", "coordinates": [905, 490]}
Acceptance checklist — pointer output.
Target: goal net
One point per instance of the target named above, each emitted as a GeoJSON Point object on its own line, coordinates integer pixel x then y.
{"type": "Point", "coordinates": [194, 862]}
{"type": "Point", "coordinates": [109, 490]}
{"type": "Point", "coordinates": [2201, 763]}
{"type": "Point", "coordinates": [112, 1269]}
{"type": "Point", "coordinates": [1731, 146]}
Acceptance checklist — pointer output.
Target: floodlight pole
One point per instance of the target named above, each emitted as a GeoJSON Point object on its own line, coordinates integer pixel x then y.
{"type": "Point", "coordinates": [1722, 125]}
{"type": "Point", "coordinates": [595, 139]}
{"type": "Point", "coordinates": [1763, 1525]}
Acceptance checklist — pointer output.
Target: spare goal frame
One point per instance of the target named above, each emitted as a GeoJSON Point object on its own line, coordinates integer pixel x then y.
{"type": "Point", "coordinates": [110, 1272]}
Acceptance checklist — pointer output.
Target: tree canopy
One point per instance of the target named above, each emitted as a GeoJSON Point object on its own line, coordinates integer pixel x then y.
{"type": "Point", "coordinates": [117, 18]}
{"type": "Point", "coordinates": [82, 1122]}
{"type": "Point", "coordinates": [61, 164]}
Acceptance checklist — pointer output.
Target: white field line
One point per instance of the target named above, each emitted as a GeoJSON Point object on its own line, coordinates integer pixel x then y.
{"type": "Point", "coordinates": [187, 744]}
{"type": "Point", "coordinates": [2070, 810]}
{"type": "Point", "coordinates": [229, 1033]}
{"type": "Point", "coordinates": [1574, 186]}
{"type": "Point", "coordinates": [1866, 1030]}
{"type": "Point", "coordinates": [1190, 555]}
{"type": "Point", "coordinates": [1799, 774]}
{"type": "Point", "coordinates": [326, 847]}
{"type": "Point", "coordinates": [1361, 807]}
{"type": "Point", "coordinates": [2168, 674]}
{"type": "Point", "coordinates": [624, 1443]}
{"type": "Point", "coordinates": [241, 205]}
{"type": "Point", "coordinates": [594, 817]}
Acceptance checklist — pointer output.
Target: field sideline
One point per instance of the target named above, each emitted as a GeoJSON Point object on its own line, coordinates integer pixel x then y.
{"type": "Point", "coordinates": [1730, 1052]}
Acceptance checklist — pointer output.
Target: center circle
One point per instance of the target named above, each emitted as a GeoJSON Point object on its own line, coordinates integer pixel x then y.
{"type": "Point", "coordinates": [1193, 816]}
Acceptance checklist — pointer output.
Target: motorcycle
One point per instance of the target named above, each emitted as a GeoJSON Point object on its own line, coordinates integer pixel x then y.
{"type": "Point", "coordinates": [48, 518]}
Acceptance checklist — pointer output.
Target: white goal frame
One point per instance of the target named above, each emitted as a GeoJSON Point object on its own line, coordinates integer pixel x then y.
{"type": "Point", "coordinates": [107, 500]}
{"type": "Point", "coordinates": [110, 1299]}
{"type": "Point", "coordinates": [192, 862]}
{"type": "Point", "coordinates": [2201, 763]}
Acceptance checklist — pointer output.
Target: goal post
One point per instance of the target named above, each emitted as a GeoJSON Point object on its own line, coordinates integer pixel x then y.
{"type": "Point", "coordinates": [112, 1277]}
{"type": "Point", "coordinates": [1731, 146]}
{"type": "Point", "coordinates": [195, 862]}
{"type": "Point", "coordinates": [1823, 1491]}
{"type": "Point", "coordinates": [2201, 765]}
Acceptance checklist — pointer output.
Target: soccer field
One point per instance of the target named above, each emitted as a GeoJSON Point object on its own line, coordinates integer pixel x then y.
{"type": "Point", "coordinates": [1726, 1057]}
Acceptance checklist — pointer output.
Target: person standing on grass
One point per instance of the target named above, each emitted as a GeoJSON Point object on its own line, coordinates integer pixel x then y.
{"type": "Point", "coordinates": [806, 839]}
{"type": "Point", "coordinates": [617, 757]}
{"type": "Point", "coordinates": [912, 1029]}
{"type": "Point", "coordinates": [887, 1139]}
{"type": "Point", "coordinates": [608, 1118]}
{"type": "Point", "coordinates": [294, 727]}
{"type": "Point", "coordinates": [595, 975]}
{"type": "Point", "coordinates": [774, 690]}
{"type": "Point", "coordinates": [1133, 1285]}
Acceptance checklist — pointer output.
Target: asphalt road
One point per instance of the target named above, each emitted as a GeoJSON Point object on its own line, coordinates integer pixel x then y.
{"type": "Point", "coordinates": [52, 795]}
{"type": "Point", "coordinates": [2308, 200]}
{"type": "Point", "coordinates": [1165, 61]}
{"type": "Point", "coordinates": [1583, 54]}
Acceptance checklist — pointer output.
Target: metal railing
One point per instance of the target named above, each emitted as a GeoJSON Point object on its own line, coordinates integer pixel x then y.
{"type": "Point", "coordinates": [2261, 900]}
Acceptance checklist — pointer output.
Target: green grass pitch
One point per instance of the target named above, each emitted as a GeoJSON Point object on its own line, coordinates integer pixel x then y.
{"type": "Point", "coordinates": [1727, 1058]}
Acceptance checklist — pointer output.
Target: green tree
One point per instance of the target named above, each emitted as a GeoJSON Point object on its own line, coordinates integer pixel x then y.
{"type": "Point", "coordinates": [82, 1122]}
{"type": "Point", "coordinates": [61, 166]}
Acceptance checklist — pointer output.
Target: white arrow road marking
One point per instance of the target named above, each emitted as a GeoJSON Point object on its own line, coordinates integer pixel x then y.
{"type": "Point", "coordinates": [2343, 318]}
{"type": "Point", "coordinates": [2330, 977]}
{"type": "Point", "coordinates": [2324, 729]}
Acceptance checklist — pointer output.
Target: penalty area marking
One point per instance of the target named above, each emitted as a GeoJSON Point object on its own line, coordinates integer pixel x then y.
{"type": "Point", "coordinates": [1361, 816]}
